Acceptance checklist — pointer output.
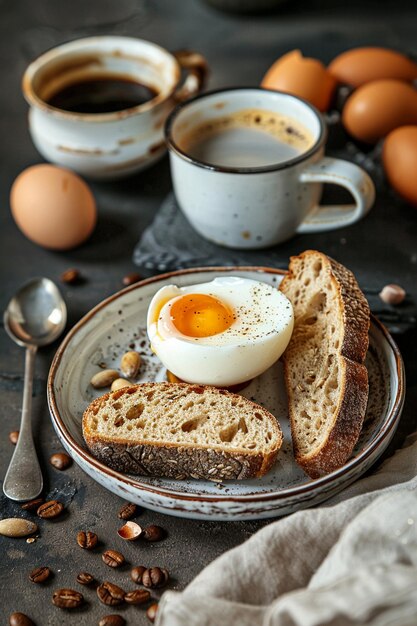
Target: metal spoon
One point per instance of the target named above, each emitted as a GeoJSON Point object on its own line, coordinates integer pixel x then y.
{"type": "Point", "coordinates": [35, 317]}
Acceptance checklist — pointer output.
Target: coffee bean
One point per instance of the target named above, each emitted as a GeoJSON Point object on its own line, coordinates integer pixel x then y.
{"type": "Point", "coordinates": [70, 276]}
{"type": "Point", "coordinates": [155, 577]}
{"type": "Point", "coordinates": [67, 598]}
{"type": "Point", "coordinates": [20, 619]}
{"type": "Point", "coordinates": [110, 594]}
{"type": "Point", "coordinates": [87, 540]}
{"type": "Point", "coordinates": [112, 558]}
{"type": "Point", "coordinates": [153, 533]}
{"type": "Point", "coordinates": [112, 620]}
{"type": "Point", "coordinates": [138, 596]}
{"type": "Point", "coordinates": [131, 279]}
{"type": "Point", "coordinates": [151, 612]}
{"type": "Point", "coordinates": [84, 578]}
{"type": "Point", "coordinates": [128, 511]}
{"type": "Point", "coordinates": [39, 575]}
{"type": "Point", "coordinates": [13, 437]}
{"type": "Point", "coordinates": [50, 509]}
{"type": "Point", "coordinates": [60, 460]}
{"type": "Point", "coordinates": [137, 573]}
{"type": "Point", "coordinates": [32, 505]}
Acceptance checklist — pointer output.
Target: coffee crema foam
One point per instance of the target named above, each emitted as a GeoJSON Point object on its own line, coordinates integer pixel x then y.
{"type": "Point", "coordinates": [247, 138]}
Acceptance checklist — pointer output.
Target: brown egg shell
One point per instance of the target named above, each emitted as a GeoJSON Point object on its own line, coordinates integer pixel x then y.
{"type": "Point", "coordinates": [53, 207]}
{"type": "Point", "coordinates": [375, 109]}
{"type": "Point", "coordinates": [303, 77]}
{"type": "Point", "coordinates": [359, 66]}
{"type": "Point", "coordinates": [399, 157]}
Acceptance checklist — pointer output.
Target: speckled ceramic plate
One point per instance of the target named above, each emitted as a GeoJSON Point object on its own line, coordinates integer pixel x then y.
{"type": "Point", "coordinates": [119, 322]}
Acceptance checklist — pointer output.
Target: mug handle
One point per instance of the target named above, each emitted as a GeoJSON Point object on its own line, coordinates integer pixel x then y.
{"type": "Point", "coordinates": [196, 66]}
{"type": "Point", "coordinates": [345, 174]}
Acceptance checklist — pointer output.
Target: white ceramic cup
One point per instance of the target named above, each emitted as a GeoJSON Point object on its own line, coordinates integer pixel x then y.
{"type": "Point", "coordinates": [256, 207]}
{"type": "Point", "coordinates": [108, 145]}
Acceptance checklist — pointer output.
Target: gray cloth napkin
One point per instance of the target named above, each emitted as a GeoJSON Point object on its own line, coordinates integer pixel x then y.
{"type": "Point", "coordinates": [350, 562]}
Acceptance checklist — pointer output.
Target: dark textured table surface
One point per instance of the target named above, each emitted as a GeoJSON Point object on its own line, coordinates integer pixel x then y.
{"type": "Point", "coordinates": [381, 249]}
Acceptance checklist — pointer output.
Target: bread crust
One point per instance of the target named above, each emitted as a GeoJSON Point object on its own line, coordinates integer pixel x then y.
{"type": "Point", "coordinates": [349, 415]}
{"type": "Point", "coordinates": [174, 460]}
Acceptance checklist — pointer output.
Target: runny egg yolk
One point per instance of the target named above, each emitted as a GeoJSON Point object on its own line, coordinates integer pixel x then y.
{"type": "Point", "coordinates": [200, 315]}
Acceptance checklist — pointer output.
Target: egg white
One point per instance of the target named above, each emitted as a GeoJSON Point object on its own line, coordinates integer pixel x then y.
{"type": "Point", "coordinates": [255, 340]}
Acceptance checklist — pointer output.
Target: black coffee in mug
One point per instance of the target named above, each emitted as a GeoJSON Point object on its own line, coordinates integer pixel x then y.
{"type": "Point", "coordinates": [104, 94]}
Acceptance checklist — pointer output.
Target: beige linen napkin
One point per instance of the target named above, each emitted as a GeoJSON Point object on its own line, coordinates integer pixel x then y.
{"type": "Point", "coordinates": [350, 562]}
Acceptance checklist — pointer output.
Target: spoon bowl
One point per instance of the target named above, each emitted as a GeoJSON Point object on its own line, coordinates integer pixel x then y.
{"type": "Point", "coordinates": [37, 314]}
{"type": "Point", "coordinates": [35, 317]}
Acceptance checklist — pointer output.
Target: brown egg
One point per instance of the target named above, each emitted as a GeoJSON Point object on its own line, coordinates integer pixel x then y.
{"type": "Point", "coordinates": [306, 78]}
{"type": "Point", "coordinates": [53, 207]}
{"type": "Point", "coordinates": [363, 65]}
{"type": "Point", "coordinates": [375, 109]}
{"type": "Point", "coordinates": [399, 157]}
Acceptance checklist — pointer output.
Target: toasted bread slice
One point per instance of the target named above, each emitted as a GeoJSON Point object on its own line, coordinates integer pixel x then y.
{"type": "Point", "coordinates": [179, 430]}
{"type": "Point", "coordinates": [325, 375]}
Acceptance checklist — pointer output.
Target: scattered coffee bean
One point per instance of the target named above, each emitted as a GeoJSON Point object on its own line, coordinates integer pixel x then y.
{"type": "Point", "coordinates": [84, 578]}
{"type": "Point", "coordinates": [136, 574]}
{"type": "Point", "coordinates": [104, 378]}
{"type": "Point", "coordinates": [112, 558]}
{"type": "Point", "coordinates": [155, 577]}
{"type": "Point", "coordinates": [130, 531]}
{"type": "Point", "coordinates": [32, 505]}
{"type": "Point", "coordinates": [70, 276]}
{"type": "Point", "coordinates": [131, 279]}
{"type": "Point", "coordinates": [60, 460]}
{"type": "Point", "coordinates": [151, 612]}
{"type": "Point", "coordinates": [20, 619]}
{"type": "Point", "coordinates": [67, 598]}
{"type": "Point", "coordinates": [138, 596]}
{"type": "Point", "coordinates": [87, 540]}
{"type": "Point", "coordinates": [392, 294]}
{"type": "Point", "coordinates": [128, 511]}
{"type": "Point", "coordinates": [50, 509]}
{"type": "Point", "coordinates": [39, 575]}
{"type": "Point", "coordinates": [130, 364]}
{"type": "Point", "coordinates": [110, 594]}
{"type": "Point", "coordinates": [13, 437]}
{"type": "Point", "coordinates": [17, 527]}
{"type": "Point", "coordinates": [112, 620]}
{"type": "Point", "coordinates": [153, 533]}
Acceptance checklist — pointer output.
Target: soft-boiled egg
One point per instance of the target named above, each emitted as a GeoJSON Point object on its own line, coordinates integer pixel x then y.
{"type": "Point", "coordinates": [223, 332]}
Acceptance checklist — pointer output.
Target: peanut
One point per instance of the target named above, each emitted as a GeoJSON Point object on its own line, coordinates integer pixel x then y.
{"type": "Point", "coordinates": [104, 378]}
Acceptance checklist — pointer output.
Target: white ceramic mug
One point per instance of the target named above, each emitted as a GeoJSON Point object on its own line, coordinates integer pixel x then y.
{"type": "Point", "coordinates": [108, 145]}
{"type": "Point", "coordinates": [256, 207]}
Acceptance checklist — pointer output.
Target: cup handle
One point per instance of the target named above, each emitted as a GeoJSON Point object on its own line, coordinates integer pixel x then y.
{"type": "Point", "coordinates": [197, 69]}
{"type": "Point", "coordinates": [345, 174]}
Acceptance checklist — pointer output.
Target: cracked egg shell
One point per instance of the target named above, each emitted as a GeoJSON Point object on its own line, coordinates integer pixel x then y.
{"type": "Point", "coordinates": [303, 77]}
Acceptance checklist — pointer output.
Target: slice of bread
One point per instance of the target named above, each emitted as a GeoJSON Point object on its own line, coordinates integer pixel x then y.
{"type": "Point", "coordinates": [179, 430]}
{"type": "Point", "coordinates": [325, 375]}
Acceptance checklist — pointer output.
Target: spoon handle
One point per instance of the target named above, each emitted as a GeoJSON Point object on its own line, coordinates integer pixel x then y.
{"type": "Point", "coordinates": [24, 477]}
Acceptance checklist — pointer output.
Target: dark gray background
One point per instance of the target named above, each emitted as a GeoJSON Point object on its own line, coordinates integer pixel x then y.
{"type": "Point", "coordinates": [380, 249]}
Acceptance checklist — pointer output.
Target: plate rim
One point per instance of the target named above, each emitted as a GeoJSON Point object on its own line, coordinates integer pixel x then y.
{"type": "Point", "coordinates": [283, 494]}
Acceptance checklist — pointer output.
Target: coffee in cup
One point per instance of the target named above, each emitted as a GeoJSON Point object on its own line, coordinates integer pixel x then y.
{"type": "Point", "coordinates": [247, 138]}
